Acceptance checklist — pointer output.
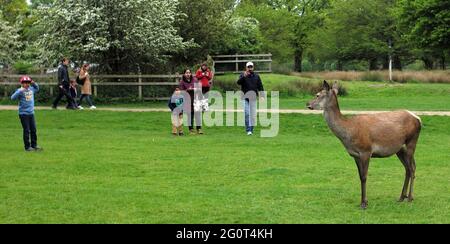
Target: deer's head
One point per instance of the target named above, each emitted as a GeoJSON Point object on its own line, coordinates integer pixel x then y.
{"type": "Point", "coordinates": [324, 97]}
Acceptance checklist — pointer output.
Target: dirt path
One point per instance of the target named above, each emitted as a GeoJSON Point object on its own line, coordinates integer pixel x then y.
{"type": "Point", "coordinates": [281, 111]}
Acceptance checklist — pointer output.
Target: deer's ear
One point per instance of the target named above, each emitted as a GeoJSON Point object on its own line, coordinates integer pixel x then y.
{"type": "Point", "coordinates": [336, 88]}
{"type": "Point", "coordinates": [326, 86]}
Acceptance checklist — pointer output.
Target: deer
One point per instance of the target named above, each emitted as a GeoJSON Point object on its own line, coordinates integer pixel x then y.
{"type": "Point", "coordinates": [367, 136]}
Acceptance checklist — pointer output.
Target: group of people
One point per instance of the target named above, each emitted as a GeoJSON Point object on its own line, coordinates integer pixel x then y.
{"type": "Point", "coordinates": [197, 87]}
{"type": "Point", "coordinates": [201, 82]}
{"type": "Point", "coordinates": [68, 87]}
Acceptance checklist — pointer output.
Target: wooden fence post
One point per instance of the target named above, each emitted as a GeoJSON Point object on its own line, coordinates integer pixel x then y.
{"type": "Point", "coordinates": [237, 63]}
{"type": "Point", "coordinates": [95, 87]}
{"type": "Point", "coordinates": [140, 87]}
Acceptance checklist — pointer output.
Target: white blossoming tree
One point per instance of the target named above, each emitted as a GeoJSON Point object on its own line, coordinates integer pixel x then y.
{"type": "Point", "coordinates": [9, 43]}
{"type": "Point", "coordinates": [121, 36]}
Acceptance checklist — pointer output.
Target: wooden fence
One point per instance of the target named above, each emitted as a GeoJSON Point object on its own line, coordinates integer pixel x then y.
{"type": "Point", "coordinates": [97, 81]}
{"type": "Point", "coordinates": [236, 63]}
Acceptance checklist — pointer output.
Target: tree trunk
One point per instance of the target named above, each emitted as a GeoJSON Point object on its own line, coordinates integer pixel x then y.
{"type": "Point", "coordinates": [443, 66]}
{"type": "Point", "coordinates": [428, 63]}
{"type": "Point", "coordinates": [298, 58]}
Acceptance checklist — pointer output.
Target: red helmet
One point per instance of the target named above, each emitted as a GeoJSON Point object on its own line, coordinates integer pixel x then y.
{"type": "Point", "coordinates": [26, 79]}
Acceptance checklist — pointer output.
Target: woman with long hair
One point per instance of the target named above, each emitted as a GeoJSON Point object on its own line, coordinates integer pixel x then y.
{"type": "Point", "coordinates": [86, 89]}
{"type": "Point", "coordinates": [189, 83]}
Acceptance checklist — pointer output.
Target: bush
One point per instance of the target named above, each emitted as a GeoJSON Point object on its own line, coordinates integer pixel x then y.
{"type": "Point", "coordinates": [23, 67]}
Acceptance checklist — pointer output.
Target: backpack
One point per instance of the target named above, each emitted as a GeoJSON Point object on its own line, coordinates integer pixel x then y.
{"type": "Point", "coordinates": [80, 81]}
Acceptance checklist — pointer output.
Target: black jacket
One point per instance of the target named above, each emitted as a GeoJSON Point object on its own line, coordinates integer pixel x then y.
{"type": "Point", "coordinates": [250, 83]}
{"type": "Point", "coordinates": [63, 76]}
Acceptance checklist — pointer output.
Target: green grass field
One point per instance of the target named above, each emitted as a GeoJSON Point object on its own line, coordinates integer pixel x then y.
{"type": "Point", "coordinates": [122, 167]}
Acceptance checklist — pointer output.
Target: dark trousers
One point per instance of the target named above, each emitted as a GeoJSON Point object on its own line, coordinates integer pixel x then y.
{"type": "Point", "coordinates": [204, 91]}
{"type": "Point", "coordinates": [65, 92]}
{"type": "Point", "coordinates": [88, 99]}
{"type": "Point", "coordinates": [193, 114]}
{"type": "Point", "coordinates": [29, 130]}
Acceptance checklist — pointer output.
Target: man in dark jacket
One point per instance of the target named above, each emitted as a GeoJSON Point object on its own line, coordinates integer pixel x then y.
{"type": "Point", "coordinates": [64, 85]}
{"type": "Point", "coordinates": [251, 86]}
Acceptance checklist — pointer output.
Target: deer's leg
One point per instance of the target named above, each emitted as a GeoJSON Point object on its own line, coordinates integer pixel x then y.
{"type": "Point", "coordinates": [413, 176]}
{"type": "Point", "coordinates": [410, 149]}
{"type": "Point", "coordinates": [402, 156]}
{"type": "Point", "coordinates": [362, 163]}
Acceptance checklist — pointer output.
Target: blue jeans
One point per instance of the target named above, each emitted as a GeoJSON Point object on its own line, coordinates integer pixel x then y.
{"type": "Point", "coordinates": [29, 130]}
{"type": "Point", "coordinates": [250, 114]}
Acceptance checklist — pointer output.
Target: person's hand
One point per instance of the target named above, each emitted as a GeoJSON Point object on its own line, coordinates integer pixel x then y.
{"type": "Point", "coordinates": [61, 87]}
{"type": "Point", "coordinates": [246, 73]}
{"type": "Point", "coordinates": [262, 98]}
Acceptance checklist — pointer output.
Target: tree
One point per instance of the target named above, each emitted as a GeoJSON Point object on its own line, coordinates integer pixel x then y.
{"type": "Point", "coordinates": [9, 42]}
{"type": "Point", "coordinates": [208, 24]}
{"type": "Point", "coordinates": [12, 9]}
{"type": "Point", "coordinates": [427, 26]}
{"type": "Point", "coordinates": [360, 30]}
{"type": "Point", "coordinates": [295, 19]}
{"type": "Point", "coordinates": [121, 36]}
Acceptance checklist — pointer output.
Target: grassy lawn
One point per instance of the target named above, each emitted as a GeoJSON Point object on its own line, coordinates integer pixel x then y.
{"type": "Point", "coordinates": [119, 167]}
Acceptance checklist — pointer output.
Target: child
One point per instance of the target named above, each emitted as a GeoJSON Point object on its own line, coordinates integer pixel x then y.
{"type": "Point", "coordinates": [25, 95]}
{"type": "Point", "coordinates": [73, 92]}
{"type": "Point", "coordinates": [176, 106]}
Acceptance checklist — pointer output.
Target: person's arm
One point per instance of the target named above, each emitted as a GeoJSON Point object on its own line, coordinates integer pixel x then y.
{"type": "Point", "coordinates": [208, 75]}
{"type": "Point", "coordinates": [199, 74]}
{"type": "Point", "coordinates": [182, 86]}
{"type": "Point", "coordinates": [241, 79]}
{"type": "Point", "coordinates": [16, 94]}
{"type": "Point", "coordinates": [60, 76]}
{"type": "Point", "coordinates": [82, 75]}
{"type": "Point", "coordinates": [35, 86]}
{"type": "Point", "coordinates": [260, 87]}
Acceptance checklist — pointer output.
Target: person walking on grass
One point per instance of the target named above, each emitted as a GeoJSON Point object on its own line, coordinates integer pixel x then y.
{"type": "Point", "coordinates": [189, 83]}
{"type": "Point", "coordinates": [64, 85]}
{"type": "Point", "coordinates": [252, 87]}
{"type": "Point", "coordinates": [86, 89]}
{"type": "Point", "coordinates": [25, 95]}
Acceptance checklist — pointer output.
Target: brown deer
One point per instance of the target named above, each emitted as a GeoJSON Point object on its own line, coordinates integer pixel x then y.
{"type": "Point", "coordinates": [372, 136]}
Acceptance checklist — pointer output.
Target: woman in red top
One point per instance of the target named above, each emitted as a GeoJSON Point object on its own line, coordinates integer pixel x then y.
{"type": "Point", "coordinates": [204, 76]}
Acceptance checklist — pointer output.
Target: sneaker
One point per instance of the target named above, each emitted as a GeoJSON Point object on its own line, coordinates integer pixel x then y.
{"type": "Point", "coordinates": [181, 133]}
{"type": "Point", "coordinates": [249, 133]}
{"type": "Point", "coordinates": [80, 108]}
{"type": "Point", "coordinates": [200, 131]}
{"type": "Point", "coordinates": [37, 148]}
{"type": "Point", "coordinates": [192, 132]}
{"type": "Point", "coordinates": [30, 149]}
{"type": "Point", "coordinates": [92, 107]}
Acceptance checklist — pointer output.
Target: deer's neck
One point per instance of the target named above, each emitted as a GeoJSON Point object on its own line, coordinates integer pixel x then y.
{"type": "Point", "coordinates": [335, 119]}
